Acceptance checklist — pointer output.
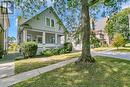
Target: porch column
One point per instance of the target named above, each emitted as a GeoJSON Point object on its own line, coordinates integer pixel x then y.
{"type": "Point", "coordinates": [24, 35]}
{"type": "Point", "coordinates": [43, 38]}
{"type": "Point", "coordinates": [56, 38]}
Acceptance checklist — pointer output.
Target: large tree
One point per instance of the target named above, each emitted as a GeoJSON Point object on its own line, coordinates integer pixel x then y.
{"type": "Point", "coordinates": [84, 8]}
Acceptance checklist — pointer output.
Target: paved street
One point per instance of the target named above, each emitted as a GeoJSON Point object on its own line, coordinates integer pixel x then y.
{"type": "Point", "coordinates": [122, 55]}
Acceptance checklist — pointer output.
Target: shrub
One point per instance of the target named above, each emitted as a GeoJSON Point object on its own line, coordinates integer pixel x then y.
{"type": "Point", "coordinates": [55, 51]}
{"type": "Point", "coordinates": [63, 50]}
{"type": "Point", "coordinates": [29, 49]}
{"type": "Point", "coordinates": [118, 40]}
{"type": "Point", "coordinates": [47, 52]}
{"type": "Point", "coordinates": [50, 52]}
{"type": "Point", "coordinates": [68, 47]}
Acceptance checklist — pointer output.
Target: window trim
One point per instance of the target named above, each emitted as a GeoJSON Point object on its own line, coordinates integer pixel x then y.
{"type": "Point", "coordinates": [37, 39]}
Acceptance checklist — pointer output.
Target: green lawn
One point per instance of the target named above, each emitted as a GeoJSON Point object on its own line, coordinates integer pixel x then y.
{"type": "Point", "coordinates": [122, 50]}
{"type": "Point", "coordinates": [34, 63]}
{"type": "Point", "coordinates": [107, 72]}
{"type": "Point", "coordinates": [101, 49]}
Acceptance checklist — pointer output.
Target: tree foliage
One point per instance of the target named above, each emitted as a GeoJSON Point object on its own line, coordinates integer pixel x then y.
{"type": "Point", "coordinates": [94, 40]}
{"type": "Point", "coordinates": [118, 40]}
{"type": "Point", "coordinates": [119, 23]}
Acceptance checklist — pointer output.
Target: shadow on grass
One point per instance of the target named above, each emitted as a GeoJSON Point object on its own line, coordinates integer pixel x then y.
{"type": "Point", "coordinates": [107, 72]}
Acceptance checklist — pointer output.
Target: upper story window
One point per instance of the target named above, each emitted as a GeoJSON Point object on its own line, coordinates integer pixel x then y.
{"type": "Point", "coordinates": [50, 22]}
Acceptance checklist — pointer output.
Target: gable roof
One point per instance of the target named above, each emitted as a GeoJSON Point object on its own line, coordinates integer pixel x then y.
{"type": "Point", "coordinates": [53, 11]}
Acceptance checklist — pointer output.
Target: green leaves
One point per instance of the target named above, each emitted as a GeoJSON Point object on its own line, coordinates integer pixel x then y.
{"type": "Point", "coordinates": [118, 23]}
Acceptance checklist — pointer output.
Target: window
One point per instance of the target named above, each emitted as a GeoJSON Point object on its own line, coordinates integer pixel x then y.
{"type": "Point", "coordinates": [50, 38]}
{"type": "Point", "coordinates": [29, 38]}
{"type": "Point", "coordinates": [39, 39]}
{"type": "Point", "coordinates": [52, 23]}
{"type": "Point", "coordinates": [48, 21]}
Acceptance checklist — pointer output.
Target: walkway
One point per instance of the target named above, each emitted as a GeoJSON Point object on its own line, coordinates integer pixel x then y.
{"type": "Point", "coordinates": [5, 82]}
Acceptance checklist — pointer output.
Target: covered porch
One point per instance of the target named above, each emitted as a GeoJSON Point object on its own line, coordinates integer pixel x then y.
{"type": "Point", "coordinates": [45, 40]}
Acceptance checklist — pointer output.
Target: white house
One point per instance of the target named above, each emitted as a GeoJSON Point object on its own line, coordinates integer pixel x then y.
{"type": "Point", "coordinates": [45, 28]}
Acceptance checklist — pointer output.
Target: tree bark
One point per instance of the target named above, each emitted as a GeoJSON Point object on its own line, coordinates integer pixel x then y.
{"type": "Point", "coordinates": [85, 22]}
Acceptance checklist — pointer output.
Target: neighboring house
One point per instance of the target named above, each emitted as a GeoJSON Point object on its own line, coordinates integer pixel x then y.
{"type": "Point", "coordinates": [99, 30]}
{"type": "Point", "coordinates": [98, 27]}
{"type": "Point", "coordinates": [4, 25]}
{"type": "Point", "coordinates": [45, 28]}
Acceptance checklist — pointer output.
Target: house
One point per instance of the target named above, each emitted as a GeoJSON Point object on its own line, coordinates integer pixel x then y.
{"type": "Point", "coordinates": [45, 28]}
{"type": "Point", "coordinates": [99, 30]}
{"type": "Point", "coordinates": [98, 27]}
{"type": "Point", "coordinates": [4, 25]}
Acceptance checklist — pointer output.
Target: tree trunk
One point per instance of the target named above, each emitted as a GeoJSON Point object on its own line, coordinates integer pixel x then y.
{"type": "Point", "coordinates": [85, 22]}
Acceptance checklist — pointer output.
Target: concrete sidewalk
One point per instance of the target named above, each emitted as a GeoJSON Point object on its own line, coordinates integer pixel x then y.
{"type": "Point", "coordinates": [5, 82]}
{"type": "Point", "coordinates": [6, 69]}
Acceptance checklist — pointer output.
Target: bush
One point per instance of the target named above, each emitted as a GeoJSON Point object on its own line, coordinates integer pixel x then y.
{"type": "Point", "coordinates": [50, 52]}
{"type": "Point", "coordinates": [47, 52]}
{"type": "Point", "coordinates": [118, 40]}
{"type": "Point", "coordinates": [63, 50]}
{"type": "Point", "coordinates": [29, 49]}
{"type": "Point", "coordinates": [68, 47]}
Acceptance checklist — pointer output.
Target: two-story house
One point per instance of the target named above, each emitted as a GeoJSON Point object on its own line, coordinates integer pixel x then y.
{"type": "Point", "coordinates": [45, 28]}
{"type": "Point", "coordinates": [4, 25]}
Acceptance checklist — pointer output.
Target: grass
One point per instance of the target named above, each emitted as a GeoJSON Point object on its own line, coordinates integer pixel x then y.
{"type": "Point", "coordinates": [107, 72]}
{"type": "Point", "coordinates": [33, 63]}
{"type": "Point", "coordinates": [122, 50]}
{"type": "Point", "coordinates": [101, 48]}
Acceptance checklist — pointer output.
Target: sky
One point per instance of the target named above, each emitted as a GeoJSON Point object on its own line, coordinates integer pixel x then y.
{"type": "Point", "coordinates": [14, 21]}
